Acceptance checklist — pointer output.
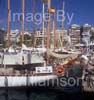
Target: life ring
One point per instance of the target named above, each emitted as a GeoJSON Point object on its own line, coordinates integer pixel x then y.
{"type": "Point", "coordinates": [59, 70]}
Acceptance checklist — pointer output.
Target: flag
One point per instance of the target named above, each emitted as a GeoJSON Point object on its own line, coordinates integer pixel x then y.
{"type": "Point", "coordinates": [52, 10]}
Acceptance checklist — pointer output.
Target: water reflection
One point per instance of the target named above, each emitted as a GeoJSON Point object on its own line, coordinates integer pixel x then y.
{"type": "Point", "coordinates": [28, 94]}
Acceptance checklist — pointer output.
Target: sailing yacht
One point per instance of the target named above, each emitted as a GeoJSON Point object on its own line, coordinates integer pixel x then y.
{"type": "Point", "coordinates": [27, 67]}
{"type": "Point", "coordinates": [19, 67]}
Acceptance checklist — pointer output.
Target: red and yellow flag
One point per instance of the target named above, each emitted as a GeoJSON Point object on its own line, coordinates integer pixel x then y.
{"type": "Point", "coordinates": [52, 10]}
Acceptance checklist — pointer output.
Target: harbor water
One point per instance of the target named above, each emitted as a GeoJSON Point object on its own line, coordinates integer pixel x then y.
{"type": "Point", "coordinates": [41, 94]}
{"type": "Point", "coordinates": [24, 94]}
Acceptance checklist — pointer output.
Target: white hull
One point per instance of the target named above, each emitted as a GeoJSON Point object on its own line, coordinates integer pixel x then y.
{"type": "Point", "coordinates": [21, 81]}
{"type": "Point", "coordinates": [11, 57]}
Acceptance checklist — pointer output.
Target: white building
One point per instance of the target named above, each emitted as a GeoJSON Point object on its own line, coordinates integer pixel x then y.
{"type": "Point", "coordinates": [15, 35]}
{"type": "Point", "coordinates": [74, 33]}
{"type": "Point", "coordinates": [39, 33]}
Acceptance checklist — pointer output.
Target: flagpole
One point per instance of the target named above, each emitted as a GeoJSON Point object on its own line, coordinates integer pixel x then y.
{"type": "Point", "coordinates": [8, 23]}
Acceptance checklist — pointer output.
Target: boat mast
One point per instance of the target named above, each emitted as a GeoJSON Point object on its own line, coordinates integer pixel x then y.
{"type": "Point", "coordinates": [34, 29]}
{"type": "Point", "coordinates": [55, 30]}
{"type": "Point", "coordinates": [63, 25]}
{"type": "Point", "coordinates": [8, 23]}
{"type": "Point", "coordinates": [53, 11]}
{"type": "Point", "coordinates": [49, 24]}
{"type": "Point", "coordinates": [43, 24]}
{"type": "Point", "coordinates": [22, 21]}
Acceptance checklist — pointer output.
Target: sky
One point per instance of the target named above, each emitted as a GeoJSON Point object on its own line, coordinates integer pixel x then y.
{"type": "Point", "coordinates": [76, 12]}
